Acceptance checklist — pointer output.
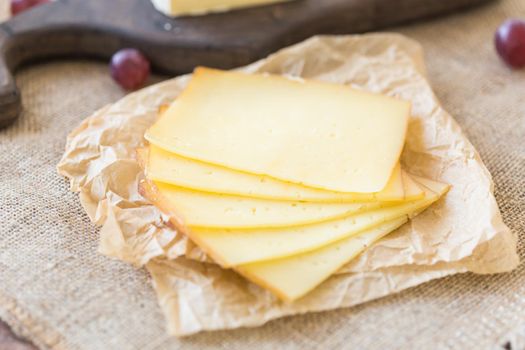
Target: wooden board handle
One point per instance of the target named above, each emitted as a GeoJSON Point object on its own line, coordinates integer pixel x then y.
{"type": "Point", "coordinates": [41, 33]}
{"type": "Point", "coordinates": [63, 28]}
{"type": "Point", "coordinates": [10, 104]}
{"type": "Point", "coordinates": [99, 28]}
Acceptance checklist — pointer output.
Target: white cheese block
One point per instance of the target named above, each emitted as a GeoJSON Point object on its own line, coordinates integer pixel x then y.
{"type": "Point", "coordinates": [293, 277]}
{"type": "Point", "coordinates": [321, 135]}
{"type": "Point", "coordinates": [200, 209]}
{"type": "Point", "coordinates": [177, 8]}
{"type": "Point", "coordinates": [239, 247]}
{"type": "Point", "coordinates": [167, 167]}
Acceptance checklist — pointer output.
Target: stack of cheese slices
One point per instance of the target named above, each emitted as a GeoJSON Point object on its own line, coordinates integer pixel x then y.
{"type": "Point", "coordinates": [283, 180]}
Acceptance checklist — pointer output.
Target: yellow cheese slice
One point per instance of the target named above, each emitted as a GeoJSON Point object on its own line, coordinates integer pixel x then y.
{"type": "Point", "coordinates": [176, 8]}
{"type": "Point", "coordinates": [412, 189]}
{"type": "Point", "coordinates": [293, 277]}
{"type": "Point", "coordinates": [200, 209]}
{"type": "Point", "coordinates": [321, 135]}
{"type": "Point", "coordinates": [167, 167]}
{"type": "Point", "coordinates": [238, 247]}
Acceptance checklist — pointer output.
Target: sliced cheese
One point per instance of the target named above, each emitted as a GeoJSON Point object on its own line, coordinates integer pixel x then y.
{"type": "Point", "coordinates": [177, 8]}
{"type": "Point", "coordinates": [167, 167]}
{"type": "Point", "coordinates": [210, 210]}
{"type": "Point", "coordinates": [200, 209]}
{"type": "Point", "coordinates": [321, 135]}
{"type": "Point", "coordinates": [239, 247]}
{"type": "Point", "coordinates": [411, 188]}
{"type": "Point", "coordinates": [163, 108]}
{"type": "Point", "coordinates": [293, 277]}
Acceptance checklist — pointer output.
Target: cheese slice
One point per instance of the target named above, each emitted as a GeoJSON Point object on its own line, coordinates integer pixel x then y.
{"type": "Point", "coordinates": [199, 7]}
{"type": "Point", "coordinates": [210, 210]}
{"type": "Point", "coordinates": [293, 277]}
{"type": "Point", "coordinates": [207, 210]}
{"type": "Point", "coordinates": [321, 135]}
{"type": "Point", "coordinates": [412, 189]}
{"type": "Point", "coordinates": [167, 167]}
{"type": "Point", "coordinates": [231, 247]}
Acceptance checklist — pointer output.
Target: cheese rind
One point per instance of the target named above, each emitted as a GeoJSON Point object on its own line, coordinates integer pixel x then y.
{"type": "Point", "coordinates": [177, 8]}
{"type": "Point", "coordinates": [293, 277]}
{"type": "Point", "coordinates": [167, 167]}
{"type": "Point", "coordinates": [321, 135]}
{"type": "Point", "coordinates": [230, 247]}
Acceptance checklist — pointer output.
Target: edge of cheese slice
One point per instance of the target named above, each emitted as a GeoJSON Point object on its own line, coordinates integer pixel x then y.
{"type": "Point", "coordinates": [294, 131]}
{"type": "Point", "coordinates": [208, 210]}
{"type": "Point", "coordinates": [412, 190]}
{"type": "Point", "coordinates": [201, 210]}
{"type": "Point", "coordinates": [233, 247]}
{"type": "Point", "coordinates": [170, 168]}
{"type": "Point", "coordinates": [293, 277]}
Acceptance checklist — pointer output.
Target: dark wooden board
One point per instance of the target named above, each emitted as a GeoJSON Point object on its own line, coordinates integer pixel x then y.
{"type": "Point", "coordinates": [98, 28]}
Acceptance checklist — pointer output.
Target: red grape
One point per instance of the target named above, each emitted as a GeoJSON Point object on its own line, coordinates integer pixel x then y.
{"type": "Point", "coordinates": [130, 68]}
{"type": "Point", "coordinates": [510, 42]}
{"type": "Point", "coordinates": [18, 6]}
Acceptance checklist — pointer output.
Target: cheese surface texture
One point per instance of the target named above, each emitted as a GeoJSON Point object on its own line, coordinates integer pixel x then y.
{"type": "Point", "coordinates": [232, 247]}
{"type": "Point", "coordinates": [293, 277]}
{"type": "Point", "coordinates": [167, 167]}
{"type": "Point", "coordinates": [199, 7]}
{"type": "Point", "coordinates": [411, 188]}
{"type": "Point", "coordinates": [201, 209]}
{"type": "Point", "coordinates": [321, 135]}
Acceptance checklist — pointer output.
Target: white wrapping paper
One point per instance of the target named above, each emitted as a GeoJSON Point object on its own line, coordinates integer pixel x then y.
{"type": "Point", "coordinates": [462, 232]}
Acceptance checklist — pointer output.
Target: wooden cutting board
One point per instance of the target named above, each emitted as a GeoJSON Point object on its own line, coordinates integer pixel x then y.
{"type": "Point", "coordinates": [98, 28]}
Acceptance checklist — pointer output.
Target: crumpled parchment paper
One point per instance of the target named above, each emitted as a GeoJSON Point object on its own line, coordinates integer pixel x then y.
{"type": "Point", "coordinates": [462, 232]}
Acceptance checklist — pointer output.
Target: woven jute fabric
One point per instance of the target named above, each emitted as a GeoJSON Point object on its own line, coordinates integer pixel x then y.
{"type": "Point", "coordinates": [56, 289]}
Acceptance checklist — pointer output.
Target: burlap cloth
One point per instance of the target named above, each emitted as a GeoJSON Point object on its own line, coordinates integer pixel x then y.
{"type": "Point", "coordinates": [58, 291]}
